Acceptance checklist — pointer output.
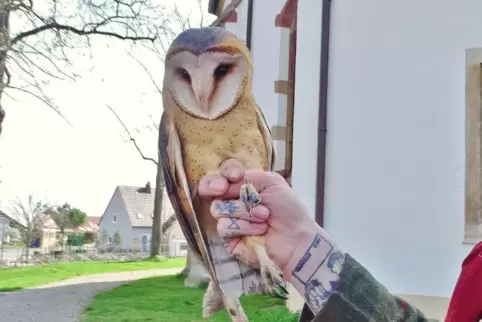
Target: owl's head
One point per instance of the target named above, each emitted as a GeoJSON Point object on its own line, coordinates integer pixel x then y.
{"type": "Point", "coordinates": [207, 70]}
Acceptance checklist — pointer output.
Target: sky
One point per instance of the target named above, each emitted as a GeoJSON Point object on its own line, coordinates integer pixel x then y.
{"type": "Point", "coordinates": [82, 164]}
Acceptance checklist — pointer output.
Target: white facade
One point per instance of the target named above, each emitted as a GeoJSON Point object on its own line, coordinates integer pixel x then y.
{"type": "Point", "coordinates": [268, 65]}
{"type": "Point", "coordinates": [395, 176]}
{"type": "Point", "coordinates": [396, 137]}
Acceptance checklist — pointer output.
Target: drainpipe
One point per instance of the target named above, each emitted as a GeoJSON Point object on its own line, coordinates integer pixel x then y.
{"type": "Point", "coordinates": [322, 112]}
{"type": "Point", "coordinates": [249, 24]}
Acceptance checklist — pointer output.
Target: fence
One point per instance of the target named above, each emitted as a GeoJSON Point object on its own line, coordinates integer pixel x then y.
{"type": "Point", "coordinates": [16, 257]}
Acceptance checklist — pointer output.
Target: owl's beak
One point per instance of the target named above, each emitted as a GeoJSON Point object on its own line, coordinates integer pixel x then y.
{"type": "Point", "coordinates": [201, 93]}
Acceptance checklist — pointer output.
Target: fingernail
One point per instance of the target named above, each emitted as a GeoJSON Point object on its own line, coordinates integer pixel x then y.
{"type": "Point", "coordinates": [260, 212]}
{"type": "Point", "coordinates": [217, 184]}
{"type": "Point", "coordinates": [234, 173]}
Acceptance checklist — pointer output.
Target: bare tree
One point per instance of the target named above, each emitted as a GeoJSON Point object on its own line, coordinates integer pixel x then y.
{"type": "Point", "coordinates": [4, 45]}
{"type": "Point", "coordinates": [158, 227]}
{"type": "Point", "coordinates": [178, 21]}
{"type": "Point", "coordinates": [49, 33]}
{"type": "Point", "coordinates": [28, 214]}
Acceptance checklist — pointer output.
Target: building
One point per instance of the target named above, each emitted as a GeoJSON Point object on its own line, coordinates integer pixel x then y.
{"type": "Point", "coordinates": [90, 225]}
{"type": "Point", "coordinates": [48, 233]}
{"type": "Point", "coordinates": [375, 108]}
{"type": "Point", "coordinates": [9, 223]}
{"type": "Point", "coordinates": [4, 226]}
{"type": "Point", "coordinates": [129, 213]}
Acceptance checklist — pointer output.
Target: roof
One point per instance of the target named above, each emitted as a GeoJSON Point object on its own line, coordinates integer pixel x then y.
{"type": "Point", "coordinates": [140, 205]}
{"type": "Point", "coordinates": [46, 221]}
{"type": "Point", "coordinates": [14, 220]}
{"type": "Point", "coordinates": [92, 219]}
{"type": "Point", "coordinates": [226, 14]}
{"type": "Point", "coordinates": [91, 224]}
{"type": "Point", "coordinates": [215, 7]}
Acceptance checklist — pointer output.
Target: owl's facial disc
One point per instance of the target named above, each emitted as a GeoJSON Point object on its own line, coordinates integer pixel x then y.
{"type": "Point", "coordinates": [206, 86]}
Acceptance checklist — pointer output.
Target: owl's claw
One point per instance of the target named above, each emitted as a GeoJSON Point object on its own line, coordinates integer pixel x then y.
{"type": "Point", "coordinates": [249, 196]}
{"type": "Point", "coordinates": [272, 277]}
{"type": "Point", "coordinates": [274, 280]}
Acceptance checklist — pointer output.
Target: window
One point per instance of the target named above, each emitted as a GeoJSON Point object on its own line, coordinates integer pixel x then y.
{"type": "Point", "coordinates": [473, 144]}
{"type": "Point", "coordinates": [111, 239]}
{"type": "Point", "coordinates": [114, 219]}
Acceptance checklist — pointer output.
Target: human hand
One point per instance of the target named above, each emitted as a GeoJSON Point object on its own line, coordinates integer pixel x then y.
{"type": "Point", "coordinates": [308, 256]}
{"type": "Point", "coordinates": [281, 217]}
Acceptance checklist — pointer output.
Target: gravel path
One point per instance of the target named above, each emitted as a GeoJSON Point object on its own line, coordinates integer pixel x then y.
{"type": "Point", "coordinates": [64, 301]}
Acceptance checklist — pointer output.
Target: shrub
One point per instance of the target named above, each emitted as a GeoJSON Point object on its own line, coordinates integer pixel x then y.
{"type": "Point", "coordinates": [90, 237]}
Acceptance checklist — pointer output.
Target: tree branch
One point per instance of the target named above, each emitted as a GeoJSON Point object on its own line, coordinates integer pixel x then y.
{"type": "Point", "coordinates": [147, 71]}
{"type": "Point", "coordinates": [59, 27]}
{"type": "Point", "coordinates": [130, 136]}
{"type": "Point", "coordinates": [44, 100]}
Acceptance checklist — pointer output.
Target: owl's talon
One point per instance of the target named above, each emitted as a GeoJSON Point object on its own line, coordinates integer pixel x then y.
{"type": "Point", "coordinates": [274, 280]}
{"type": "Point", "coordinates": [249, 196]}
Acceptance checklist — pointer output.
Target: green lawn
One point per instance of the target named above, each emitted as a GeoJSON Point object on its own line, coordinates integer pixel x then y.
{"type": "Point", "coordinates": [164, 298]}
{"type": "Point", "coordinates": [19, 278]}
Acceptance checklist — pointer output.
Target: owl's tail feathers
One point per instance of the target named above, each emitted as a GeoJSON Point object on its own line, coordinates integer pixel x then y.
{"type": "Point", "coordinates": [234, 278]}
{"type": "Point", "coordinates": [214, 301]}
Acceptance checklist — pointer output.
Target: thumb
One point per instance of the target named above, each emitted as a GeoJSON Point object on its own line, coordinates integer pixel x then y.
{"type": "Point", "coordinates": [261, 180]}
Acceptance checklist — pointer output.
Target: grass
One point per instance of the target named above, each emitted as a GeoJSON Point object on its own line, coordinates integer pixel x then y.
{"type": "Point", "coordinates": [164, 298]}
{"type": "Point", "coordinates": [19, 278]}
{"type": "Point", "coordinates": [7, 246]}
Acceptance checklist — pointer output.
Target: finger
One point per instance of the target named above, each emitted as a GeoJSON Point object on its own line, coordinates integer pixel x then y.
{"type": "Point", "coordinates": [237, 209]}
{"type": "Point", "coordinates": [235, 227]}
{"type": "Point", "coordinates": [233, 170]}
{"type": "Point", "coordinates": [212, 185]}
{"type": "Point", "coordinates": [259, 179]}
{"type": "Point", "coordinates": [233, 243]}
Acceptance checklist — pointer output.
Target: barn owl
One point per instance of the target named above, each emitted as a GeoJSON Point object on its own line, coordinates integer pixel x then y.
{"type": "Point", "coordinates": [210, 116]}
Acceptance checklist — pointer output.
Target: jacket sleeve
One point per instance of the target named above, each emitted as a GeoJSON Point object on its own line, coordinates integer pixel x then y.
{"type": "Point", "coordinates": [360, 297]}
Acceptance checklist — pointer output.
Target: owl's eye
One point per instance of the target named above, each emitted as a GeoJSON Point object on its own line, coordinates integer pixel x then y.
{"type": "Point", "coordinates": [222, 70]}
{"type": "Point", "coordinates": [184, 74]}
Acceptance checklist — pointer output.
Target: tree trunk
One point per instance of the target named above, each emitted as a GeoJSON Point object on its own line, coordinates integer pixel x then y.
{"type": "Point", "coordinates": [197, 276]}
{"type": "Point", "coordinates": [27, 253]}
{"type": "Point", "coordinates": [4, 47]}
{"type": "Point", "coordinates": [156, 239]}
{"type": "Point", "coordinates": [62, 239]}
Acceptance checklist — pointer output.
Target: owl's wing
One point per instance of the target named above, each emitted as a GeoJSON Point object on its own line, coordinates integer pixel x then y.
{"type": "Point", "coordinates": [170, 155]}
{"type": "Point", "coordinates": [231, 276]}
{"type": "Point", "coordinates": [268, 140]}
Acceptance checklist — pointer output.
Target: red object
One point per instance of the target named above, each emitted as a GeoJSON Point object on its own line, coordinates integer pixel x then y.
{"type": "Point", "coordinates": [466, 302]}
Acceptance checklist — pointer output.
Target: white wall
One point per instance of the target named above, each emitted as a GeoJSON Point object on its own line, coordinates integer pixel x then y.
{"type": "Point", "coordinates": [239, 27]}
{"type": "Point", "coordinates": [305, 121]}
{"type": "Point", "coordinates": [395, 159]}
{"type": "Point", "coordinates": [265, 48]}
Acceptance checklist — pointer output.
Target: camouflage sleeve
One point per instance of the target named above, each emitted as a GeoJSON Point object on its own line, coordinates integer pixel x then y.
{"type": "Point", "coordinates": [360, 297]}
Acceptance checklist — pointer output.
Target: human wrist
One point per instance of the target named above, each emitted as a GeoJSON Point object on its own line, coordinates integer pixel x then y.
{"type": "Point", "coordinates": [315, 266]}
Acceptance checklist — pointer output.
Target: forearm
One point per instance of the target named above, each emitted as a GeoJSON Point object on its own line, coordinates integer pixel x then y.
{"type": "Point", "coordinates": [314, 269]}
{"type": "Point", "coordinates": [337, 288]}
